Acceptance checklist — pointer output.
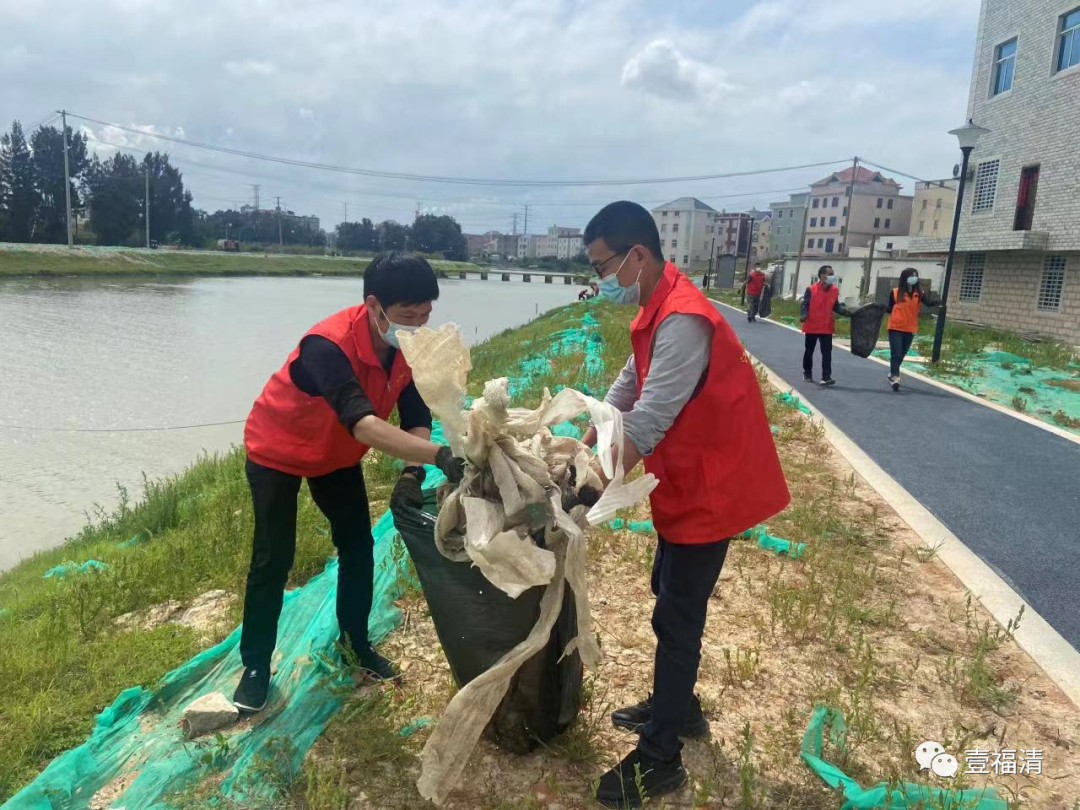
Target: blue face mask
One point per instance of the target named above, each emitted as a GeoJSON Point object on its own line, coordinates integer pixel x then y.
{"type": "Point", "coordinates": [912, 281]}
{"type": "Point", "coordinates": [828, 280]}
{"type": "Point", "coordinates": [613, 291]}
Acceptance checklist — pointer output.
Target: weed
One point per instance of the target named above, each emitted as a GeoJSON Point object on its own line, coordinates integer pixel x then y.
{"type": "Point", "coordinates": [743, 667]}
{"type": "Point", "coordinates": [749, 793]}
{"type": "Point", "coordinates": [1019, 403]}
{"type": "Point", "coordinates": [926, 553]}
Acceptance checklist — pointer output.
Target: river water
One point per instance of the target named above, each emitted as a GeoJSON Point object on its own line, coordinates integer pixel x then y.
{"type": "Point", "coordinates": [95, 354]}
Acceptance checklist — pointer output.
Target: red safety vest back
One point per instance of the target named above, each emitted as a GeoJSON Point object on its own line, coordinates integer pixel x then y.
{"type": "Point", "coordinates": [820, 320]}
{"type": "Point", "coordinates": [717, 465]}
{"type": "Point", "coordinates": [299, 434]}
{"type": "Point", "coordinates": [756, 283]}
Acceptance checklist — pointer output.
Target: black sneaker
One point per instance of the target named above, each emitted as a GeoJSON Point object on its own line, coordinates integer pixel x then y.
{"type": "Point", "coordinates": [633, 718]}
{"type": "Point", "coordinates": [375, 666]}
{"type": "Point", "coordinates": [808, 377]}
{"type": "Point", "coordinates": [638, 778]}
{"type": "Point", "coordinates": [828, 381]}
{"type": "Point", "coordinates": [250, 694]}
{"type": "Point", "coordinates": [894, 381]}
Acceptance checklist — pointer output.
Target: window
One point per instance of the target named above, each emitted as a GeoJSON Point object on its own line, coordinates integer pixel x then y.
{"type": "Point", "coordinates": [780, 214]}
{"type": "Point", "coordinates": [672, 258]}
{"type": "Point", "coordinates": [674, 244]}
{"type": "Point", "coordinates": [845, 210]}
{"type": "Point", "coordinates": [809, 243]}
{"type": "Point", "coordinates": [972, 279]}
{"type": "Point", "coordinates": [663, 213]}
{"type": "Point", "coordinates": [816, 201]}
{"type": "Point", "coordinates": [877, 222]}
{"type": "Point", "coordinates": [820, 242]}
{"type": "Point", "coordinates": [663, 229]}
{"type": "Point", "coordinates": [813, 222]}
{"type": "Point", "coordinates": [835, 202]}
{"type": "Point", "coordinates": [847, 191]}
{"type": "Point", "coordinates": [1053, 282]}
{"type": "Point", "coordinates": [685, 259]}
{"type": "Point", "coordinates": [889, 204]}
{"type": "Point", "coordinates": [938, 206]}
{"type": "Point", "coordinates": [879, 202]}
{"type": "Point", "coordinates": [663, 243]}
{"type": "Point", "coordinates": [675, 228]}
{"type": "Point", "coordinates": [888, 224]}
{"type": "Point", "coordinates": [1069, 40]}
{"type": "Point", "coordinates": [676, 214]}
{"type": "Point", "coordinates": [840, 249]}
{"type": "Point", "coordinates": [922, 225]}
{"type": "Point", "coordinates": [986, 177]}
{"type": "Point", "coordinates": [936, 222]}
{"type": "Point", "coordinates": [1025, 198]}
{"type": "Point", "coordinates": [1004, 65]}
{"type": "Point", "coordinates": [888, 245]}
{"type": "Point", "coordinates": [924, 202]}
{"type": "Point", "coordinates": [832, 222]}
{"type": "Point", "coordinates": [791, 212]}
{"type": "Point", "coordinates": [828, 245]}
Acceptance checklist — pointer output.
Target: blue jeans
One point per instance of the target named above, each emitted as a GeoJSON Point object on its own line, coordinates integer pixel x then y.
{"type": "Point", "coordinates": [683, 579]}
{"type": "Point", "coordinates": [899, 343]}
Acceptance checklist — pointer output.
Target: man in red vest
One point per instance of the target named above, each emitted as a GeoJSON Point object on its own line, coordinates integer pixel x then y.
{"type": "Point", "coordinates": [754, 286]}
{"type": "Point", "coordinates": [820, 306]}
{"type": "Point", "coordinates": [316, 419]}
{"type": "Point", "coordinates": [693, 410]}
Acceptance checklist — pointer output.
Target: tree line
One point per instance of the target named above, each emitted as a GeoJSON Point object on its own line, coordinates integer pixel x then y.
{"type": "Point", "coordinates": [109, 195]}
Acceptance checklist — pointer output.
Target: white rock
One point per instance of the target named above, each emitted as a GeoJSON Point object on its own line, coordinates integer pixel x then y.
{"type": "Point", "coordinates": [209, 713]}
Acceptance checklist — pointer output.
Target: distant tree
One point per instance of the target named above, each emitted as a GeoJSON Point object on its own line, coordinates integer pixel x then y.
{"type": "Point", "coordinates": [47, 145]}
{"type": "Point", "coordinates": [357, 236]}
{"type": "Point", "coordinates": [115, 187]}
{"type": "Point", "coordinates": [393, 236]}
{"type": "Point", "coordinates": [18, 197]}
{"type": "Point", "coordinates": [439, 234]}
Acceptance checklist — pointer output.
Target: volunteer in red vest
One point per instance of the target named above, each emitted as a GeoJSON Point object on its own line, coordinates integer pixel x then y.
{"type": "Point", "coordinates": [693, 411]}
{"type": "Point", "coordinates": [316, 419]}
{"type": "Point", "coordinates": [903, 309]}
{"type": "Point", "coordinates": [820, 306]}
{"type": "Point", "coordinates": [754, 286]}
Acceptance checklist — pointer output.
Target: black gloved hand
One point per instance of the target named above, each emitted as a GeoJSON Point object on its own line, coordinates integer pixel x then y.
{"type": "Point", "coordinates": [451, 466]}
{"type": "Point", "coordinates": [407, 494]}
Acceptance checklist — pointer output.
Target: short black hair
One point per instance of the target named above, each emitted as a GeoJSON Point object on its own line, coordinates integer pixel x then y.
{"type": "Point", "coordinates": [400, 278]}
{"type": "Point", "coordinates": [622, 225]}
{"type": "Point", "coordinates": [824, 270]}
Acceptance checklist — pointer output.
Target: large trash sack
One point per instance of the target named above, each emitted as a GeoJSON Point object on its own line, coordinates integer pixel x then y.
{"type": "Point", "coordinates": [765, 304]}
{"type": "Point", "coordinates": [865, 328]}
{"type": "Point", "coordinates": [478, 623]}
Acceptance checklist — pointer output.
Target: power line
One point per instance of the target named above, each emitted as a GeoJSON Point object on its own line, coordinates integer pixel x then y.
{"type": "Point", "coordinates": [891, 171]}
{"type": "Point", "coordinates": [118, 430]}
{"type": "Point", "coordinates": [431, 178]}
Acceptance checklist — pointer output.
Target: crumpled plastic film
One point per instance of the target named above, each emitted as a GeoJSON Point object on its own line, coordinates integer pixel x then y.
{"type": "Point", "coordinates": [517, 478]}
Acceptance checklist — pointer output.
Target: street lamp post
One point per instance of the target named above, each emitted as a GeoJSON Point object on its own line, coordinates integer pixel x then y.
{"type": "Point", "coordinates": [967, 135]}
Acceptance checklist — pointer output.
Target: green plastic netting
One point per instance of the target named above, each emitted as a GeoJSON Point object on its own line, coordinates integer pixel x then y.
{"type": "Point", "coordinates": [137, 742]}
{"type": "Point", "coordinates": [881, 796]}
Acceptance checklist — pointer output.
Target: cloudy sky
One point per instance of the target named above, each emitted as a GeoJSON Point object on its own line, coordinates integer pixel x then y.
{"type": "Point", "coordinates": [510, 89]}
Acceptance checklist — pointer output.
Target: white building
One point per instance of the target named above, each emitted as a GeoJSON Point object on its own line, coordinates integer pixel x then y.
{"type": "Point", "coordinates": [1018, 247]}
{"type": "Point", "coordinates": [688, 229]}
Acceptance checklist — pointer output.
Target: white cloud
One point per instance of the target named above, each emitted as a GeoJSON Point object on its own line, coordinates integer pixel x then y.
{"type": "Point", "coordinates": [306, 113]}
{"type": "Point", "coordinates": [862, 91]}
{"type": "Point", "coordinates": [244, 68]}
{"type": "Point", "coordinates": [799, 93]}
{"type": "Point", "coordinates": [660, 69]}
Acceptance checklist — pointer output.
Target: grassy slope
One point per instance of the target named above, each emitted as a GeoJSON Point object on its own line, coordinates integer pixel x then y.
{"type": "Point", "coordinates": [62, 660]}
{"type": "Point", "coordinates": [15, 263]}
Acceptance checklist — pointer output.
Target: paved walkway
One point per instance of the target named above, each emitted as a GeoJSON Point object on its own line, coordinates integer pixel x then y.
{"type": "Point", "coordinates": [1009, 490]}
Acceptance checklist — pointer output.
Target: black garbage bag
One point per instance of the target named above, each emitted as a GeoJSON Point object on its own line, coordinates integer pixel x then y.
{"type": "Point", "coordinates": [765, 304]}
{"type": "Point", "coordinates": [865, 327]}
{"type": "Point", "coordinates": [477, 624]}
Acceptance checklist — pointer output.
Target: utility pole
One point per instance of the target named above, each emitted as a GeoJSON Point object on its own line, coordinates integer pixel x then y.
{"type": "Point", "coordinates": [846, 232]}
{"type": "Point", "coordinates": [255, 219]}
{"type": "Point", "coordinates": [802, 243]}
{"type": "Point", "coordinates": [281, 243]}
{"type": "Point", "coordinates": [67, 179]}
{"type": "Point", "coordinates": [345, 216]}
{"type": "Point", "coordinates": [146, 205]}
{"type": "Point", "coordinates": [526, 220]}
{"type": "Point", "coordinates": [515, 223]}
{"type": "Point", "coordinates": [864, 287]}
{"type": "Point", "coordinates": [712, 256]}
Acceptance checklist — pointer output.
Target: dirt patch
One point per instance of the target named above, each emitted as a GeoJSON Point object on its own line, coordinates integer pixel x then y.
{"type": "Point", "coordinates": [105, 797]}
{"type": "Point", "coordinates": [206, 614]}
{"type": "Point", "coordinates": [1068, 385]}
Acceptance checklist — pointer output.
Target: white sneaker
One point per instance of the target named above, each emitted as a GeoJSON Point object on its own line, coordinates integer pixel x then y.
{"type": "Point", "coordinates": [894, 380]}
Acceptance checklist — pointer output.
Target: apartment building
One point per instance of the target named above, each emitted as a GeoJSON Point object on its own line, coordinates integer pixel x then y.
{"type": "Point", "coordinates": [877, 209]}
{"type": "Point", "coordinates": [785, 232]}
{"type": "Point", "coordinates": [688, 233]}
{"type": "Point", "coordinates": [759, 236]}
{"type": "Point", "coordinates": [933, 208]}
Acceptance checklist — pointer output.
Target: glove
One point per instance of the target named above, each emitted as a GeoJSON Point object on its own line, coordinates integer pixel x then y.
{"type": "Point", "coordinates": [407, 494]}
{"type": "Point", "coordinates": [450, 466]}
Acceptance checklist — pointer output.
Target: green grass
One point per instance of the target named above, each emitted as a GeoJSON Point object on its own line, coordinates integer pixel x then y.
{"type": "Point", "coordinates": [141, 262]}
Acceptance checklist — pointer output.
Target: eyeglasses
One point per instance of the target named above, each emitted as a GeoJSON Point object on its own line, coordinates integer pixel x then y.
{"type": "Point", "coordinates": [599, 266]}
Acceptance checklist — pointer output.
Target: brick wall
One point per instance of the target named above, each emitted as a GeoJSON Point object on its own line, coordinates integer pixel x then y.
{"type": "Point", "coordinates": [1010, 291]}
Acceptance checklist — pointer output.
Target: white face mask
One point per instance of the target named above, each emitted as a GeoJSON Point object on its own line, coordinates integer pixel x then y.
{"type": "Point", "coordinates": [390, 335]}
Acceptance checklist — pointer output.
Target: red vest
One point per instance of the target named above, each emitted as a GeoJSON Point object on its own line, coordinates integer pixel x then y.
{"type": "Point", "coordinates": [756, 283]}
{"type": "Point", "coordinates": [717, 464]}
{"type": "Point", "coordinates": [295, 433]}
{"type": "Point", "coordinates": [905, 314]}
{"type": "Point", "coordinates": [820, 320]}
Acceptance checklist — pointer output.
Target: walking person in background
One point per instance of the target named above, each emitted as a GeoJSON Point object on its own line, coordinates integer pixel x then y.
{"type": "Point", "coordinates": [903, 309]}
{"type": "Point", "coordinates": [820, 306]}
{"type": "Point", "coordinates": [755, 283]}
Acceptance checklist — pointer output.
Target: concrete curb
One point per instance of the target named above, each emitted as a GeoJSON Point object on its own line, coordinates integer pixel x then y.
{"type": "Point", "coordinates": [1023, 417]}
{"type": "Point", "coordinates": [1036, 637]}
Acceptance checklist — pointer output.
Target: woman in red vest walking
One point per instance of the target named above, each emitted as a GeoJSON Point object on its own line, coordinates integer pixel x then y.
{"type": "Point", "coordinates": [692, 409]}
{"type": "Point", "coordinates": [903, 309]}
{"type": "Point", "coordinates": [317, 418]}
{"type": "Point", "coordinates": [820, 306]}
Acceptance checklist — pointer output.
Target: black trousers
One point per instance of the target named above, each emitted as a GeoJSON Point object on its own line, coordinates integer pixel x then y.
{"type": "Point", "coordinates": [899, 343]}
{"type": "Point", "coordinates": [683, 579]}
{"type": "Point", "coordinates": [755, 303]}
{"type": "Point", "coordinates": [342, 497]}
{"type": "Point", "coordinates": [826, 355]}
